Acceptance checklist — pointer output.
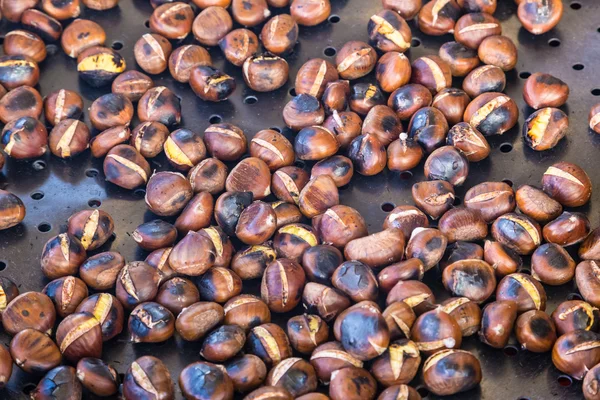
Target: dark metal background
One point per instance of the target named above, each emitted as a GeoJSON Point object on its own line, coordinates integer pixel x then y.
{"type": "Point", "coordinates": [72, 185]}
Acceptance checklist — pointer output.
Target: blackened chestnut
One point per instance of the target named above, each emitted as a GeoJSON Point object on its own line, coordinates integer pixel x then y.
{"type": "Point", "coordinates": [108, 310]}
{"type": "Point", "coordinates": [147, 376]}
{"type": "Point", "coordinates": [545, 128]}
{"type": "Point", "coordinates": [436, 331]}
{"type": "Point", "coordinates": [306, 332]}
{"type": "Point", "coordinates": [451, 371]}
{"type": "Point", "coordinates": [572, 315]}
{"type": "Point", "coordinates": [492, 113]}
{"type": "Point", "coordinates": [433, 197]}
{"type": "Point", "coordinates": [526, 291]}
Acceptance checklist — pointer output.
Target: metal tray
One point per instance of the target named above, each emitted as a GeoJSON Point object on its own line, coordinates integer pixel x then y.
{"type": "Point", "coordinates": [53, 189]}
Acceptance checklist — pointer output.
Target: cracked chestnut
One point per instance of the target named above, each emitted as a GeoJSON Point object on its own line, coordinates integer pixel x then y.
{"type": "Point", "coordinates": [111, 110]}
{"type": "Point", "coordinates": [438, 17]}
{"type": "Point", "coordinates": [29, 310]}
{"type": "Point", "coordinates": [210, 84]}
{"type": "Point", "coordinates": [466, 313]}
{"type": "Point", "coordinates": [346, 125]}
{"type": "Point", "coordinates": [40, 23]}
{"type": "Point", "coordinates": [313, 76]}
{"type": "Point", "coordinates": [388, 31]}
{"type": "Point", "coordinates": [12, 210]}
{"type": "Point", "coordinates": [288, 182]}
{"type": "Point", "coordinates": [250, 12]}
{"type": "Point", "coordinates": [335, 97]}
{"type": "Point", "coordinates": [219, 284]}
{"type": "Point", "coordinates": [69, 138]}
{"type": "Point", "coordinates": [100, 271]}
{"type": "Point", "coordinates": [151, 323]}
{"type": "Point", "coordinates": [24, 138]}
{"type": "Point", "coordinates": [518, 232]}
{"type": "Point", "coordinates": [97, 376]}
{"type": "Point", "coordinates": [66, 293]}
{"type": "Point", "coordinates": [184, 149]}
{"type": "Point", "coordinates": [172, 20]}
{"type": "Point", "coordinates": [470, 141]}
{"type": "Point", "coordinates": [436, 331]}
{"type": "Point", "coordinates": [473, 279]}
{"type": "Point", "coordinates": [319, 194]}
{"type": "Point", "coordinates": [330, 357]}
{"type": "Point", "coordinates": [99, 66]}
{"type": "Point", "coordinates": [250, 262]}
{"type": "Point", "coordinates": [225, 142]}
{"type": "Point", "coordinates": [79, 335]}
{"type": "Point", "coordinates": [310, 12]}
{"type": "Point", "coordinates": [303, 111]}
{"type": "Point", "coordinates": [270, 343]}
{"type": "Point", "coordinates": [355, 59]}
{"type": "Point", "coordinates": [368, 155]}
{"type": "Point", "coordinates": [282, 285]}
{"type": "Point", "coordinates": [126, 167]}
{"type": "Point", "coordinates": [586, 277]}
{"type": "Point", "coordinates": [433, 197]}
{"type": "Point", "coordinates": [526, 291]}
{"type": "Point", "coordinates": [575, 353]}
{"type": "Point", "coordinates": [568, 184]}
{"type": "Point", "coordinates": [364, 96]}
{"type": "Point", "coordinates": [398, 365]}
{"type": "Point", "coordinates": [306, 332]}
{"type": "Point", "coordinates": [60, 105]}
{"type": "Point", "coordinates": [152, 53]}
{"type": "Point", "coordinates": [280, 34]}
{"type": "Point", "coordinates": [429, 128]}
{"type": "Point", "coordinates": [539, 16]}
{"type": "Point", "coordinates": [545, 128]}
{"type": "Point", "coordinates": [273, 148]}
{"type": "Point", "coordinates": [238, 45]}
{"type": "Point", "coordinates": [295, 375]}
{"type": "Point", "coordinates": [573, 315]}
{"type": "Point", "coordinates": [449, 164]}
{"type": "Point", "coordinates": [472, 28]}
{"type": "Point", "coordinates": [594, 118]}
{"type": "Point", "coordinates": [132, 84]}
{"type": "Point", "coordinates": [487, 78]}
{"type": "Point", "coordinates": [327, 302]}
{"type": "Point", "coordinates": [108, 310]}
{"type": "Point", "coordinates": [266, 72]}
{"type": "Point", "coordinates": [492, 113]}
{"type": "Point", "coordinates": [137, 282]}
{"type": "Point", "coordinates": [58, 381]}
{"type": "Point", "coordinates": [18, 71]}
{"type": "Point", "coordinates": [61, 256]}
{"type": "Point", "coordinates": [339, 225]}
{"type": "Point", "coordinates": [491, 199]}
{"type": "Point", "coordinates": [148, 377]}
{"type": "Point", "coordinates": [452, 103]}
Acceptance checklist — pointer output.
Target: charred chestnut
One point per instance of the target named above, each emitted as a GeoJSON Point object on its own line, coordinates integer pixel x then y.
{"type": "Point", "coordinates": [148, 376]}
{"type": "Point", "coordinates": [436, 331]}
{"type": "Point", "coordinates": [303, 111]}
{"type": "Point", "coordinates": [270, 343]}
{"type": "Point", "coordinates": [99, 66]}
{"type": "Point", "coordinates": [492, 113]}
{"type": "Point", "coordinates": [137, 283]}
{"type": "Point", "coordinates": [34, 352]}
{"type": "Point", "coordinates": [433, 197]}
{"type": "Point", "coordinates": [265, 73]}
{"type": "Point", "coordinates": [355, 60]}
{"type": "Point", "coordinates": [573, 315]}
{"type": "Point", "coordinates": [459, 58]}
{"type": "Point", "coordinates": [210, 84]}
{"type": "Point", "coordinates": [250, 262]}
{"type": "Point", "coordinates": [97, 376]}
{"type": "Point", "coordinates": [431, 72]}
{"type": "Point", "coordinates": [24, 138]}
{"type": "Point", "coordinates": [108, 310]}
{"type": "Point", "coordinates": [246, 372]}
{"type": "Point", "coordinates": [438, 17]}
{"type": "Point", "coordinates": [451, 371]}
{"type": "Point", "coordinates": [575, 352]}
{"type": "Point", "coordinates": [526, 291]}
{"type": "Point", "coordinates": [539, 16]}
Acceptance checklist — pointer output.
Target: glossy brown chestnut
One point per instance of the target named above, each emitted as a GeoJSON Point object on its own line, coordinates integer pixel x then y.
{"type": "Point", "coordinates": [184, 149]}
{"type": "Point", "coordinates": [411, 269]}
{"type": "Point", "coordinates": [197, 213]}
{"type": "Point", "coordinates": [210, 84]}
{"type": "Point", "coordinates": [100, 271]}
{"type": "Point", "coordinates": [225, 142]}
{"type": "Point", "coordinates": [492, 113]}
{"type": "Point", "coordinates": [536, 204]}
{"type": "Point", "coordinates": [355, 60]}
{"type": "Point", "coordinates": [137, 283]}
{"type": "Point", "coordinates": [34, 352]}
{"type": "Point", "coordinates": [539, 16]}
{"type": "Point", "coordinates": [8, 291]}
{"type": "Point", "coordinates": [151, 323]}
{"type": "Point", "coordinates": [464, 224]}
{"type": "Point", "coordinates": [313, 76]}
{"type": "Point", "coordinates": [330, 357]}
{"type": "Point", "coordinates": [452, 103]}
{"type": "Point", "coordinates": [108, 310]}
{"type": "Point", "coordinates": [62, 255]}
{"type": "Point", "coordinates": [310, 12]}
{"type": "Point", "coordinates": [81, 34]}
{"type": "Point", "coordinates": [295, 375]}
{"type": "Point", "coordinates": [306, 332]}
{"type": "Point", "coordinates": [97, 376]}
{"type": "Point", "coordinates": [499, 51]}
{"type": "Point", "coordinates": [398, 365]}
{"type": "Point", "coordinates": [79, 335]}
{"type": "Point", "coordinates": [148, 376]}
{"type": "Point", "coordinates": [406, 9]}
{"type": "Point", "coordinates": [266, 72]}
{"type": "Point", "coordinates": [66, 293]}
{"type": "Point", "coordinates": [397, 391]}
{"type": "Point", "coordinates": [473, 279]}
{"type": "Point", "coordinates": [449, 164]}
{"type": "Point", "coordinates": [132, 84]}
{"type": "Point", "coordinates": [62, 380]}
{"type": "Point", "coordinates": [238, 45]}
{"type": "Point", "coordinates": [427, 245]}
{"type": "Point", "coordinates": [327, 302]}
{"type": "Point", "coordinates": [270, 343]}
{"type": "Point", "coordinates": [404, 154]}
{"type": "Point", "coordinates": [176, 294]}
{"type": "Point", "coordinates": [219, 284]}
{"type": "Point", "coordinates": [572, 315]}
{"type": "Point", "coordinates": [368, 155]}
{"type": "Point", "coordinates": [526, 291]}
{"type": "Point", "coordinates": [356, 280]}
{"type": "Point", "coordinates": [568, 184]}
{"type": "Point", "coordinates": [362, 331]}
{"type": "Point", "coordinates": [459, 58]}
{"type": "Point", "coordinates": [470, 141]}
{"type": "Point", "coordinates": [195, 321]}
{"type": "Point", "coordinates": [438, 17]}
{"type": "Point", "coordinates": [60, 105]}
{"type": "Point", "coordinates": [228, 208]}
{"type": "Point", "coordinates": [429, 128]}
{"type": "Point", "coordinates": [24, 138]}
{"type": "Point", "coordinates": [24, 43]}
{"type": "Point", "coordinates": [246, 311]}
{"type": "Point", "coordinates": [431, 72]}
{"type": "Point", "coordinates": [545, 128]}
{"type": "Point", "coordinates": [461, 251]}
{"type": "Point", "coordinates": [152, 52]}
{"type": "Point", "coordinates": [451, 371]}
{"type": "Point", "coordinates": [389, 32]}
{"type": "Point", "coordinates": [377, 250]}
{"type": "Point", "coordinates": [352, 383]}
{"type": "Point", "coordinates": [568, 229]}
{"type": "Point", "coordinates": [63, 10]}
{"type": "Point", "coordinates": [487, 78]}
{"type": "Point", "coordinates": [575, 352]}
{"type": "Point", "coordinates": [126, 167]}
{"type": "Point", "coordinates": [544, 90]}
{"type": "Point", "coordinates": [13, 9]}
{"type": "Point", "coordinates": [29, 310]}
{"type": "Point", "coordinates": [382, 122]}
{"type": "Point", "coordinates": [111, 110]}
{"type": "Point", "coordinates": [159, 260]}
{"type": "Point", "coordinates": [471, 29]}
{"type": "Point", "coordinates": [435, 331]}
{"type": "Point", "coordinates": [223, 247]}
{"type": "Point", "coordinates": [280, 34]}
{"type": "Point", "coordinates": [186, 259]}
{"type": "Point", "coordinates": [69, 138]}
{"type": "Point", "coordinates": [40, 23]}
{"type": "Point", "coordinates": [250, 262]}
{"type": "Point", "coordinates": [590, 247]}
{"type": "Point", "coordinates": [319, 194]}
{"type": "Point", "coordinates": [400, 318]}
{"type": "Point", "coordinates": [167, 193]}
{"type": "Point", "coordinates": [414, 293]}
{"type": "Point", "coordinates": [518, 232]}
{"type": "Point", "coordinates": [339, 168]}
{"type": "Point", "coordinates": [466, 313]}
{"type": "Point", "coordinates": [184, 59]}
{"type": "Point", "coordinates": [475, 6]}
{"type": "Point", "coordinates": [320, 262]}
{"type": "Point", "coordinates": [154, 235]}
{"type": "Point", "coordinates": [393, 71]}
{"type": "Point", "coordinates": [302, 111]}
{"type": "Point", "coordinates": [535, 331]}
{"type": "Point", "coordinates": [503, 259]}
{"type": "Point", "coordinates": [149, 138]}
{"type": "Point", "coordinates": [335, 97]}
{"type": "Point", "coordinates": [497, 323]}
{"type": "Point", "coordinates": [12, 210]}
{"type": "Point", "coordinates": [590, 384]}
{"type": "Point", "coordinates": [172, 20]}
{"type": "Point", "coordinates": [586, 277]}
{"type": "Point", "coordinates": [223, 343]}
{"type": "Point", "coordinates": [339, 225]}
{"type": "Point", "coordinates": [251, 174]}
{"type": "Point", "coordinates": [246, 372]}
{"type": "Point", "coordinates": [433, 197]}
{"type": "Point", "coordinates": [491, 199]}
{"type": "Point", "coordinates": [273, 148]}
{"type": "Point", "coordinates": [346, 125]}
{"type": "Point", "coordinates": [250, 13]}
{"type": "Point", "coordinates": [282, 283]}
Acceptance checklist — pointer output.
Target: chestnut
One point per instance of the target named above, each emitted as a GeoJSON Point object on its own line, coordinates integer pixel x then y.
{"type": "Point", "coordinates": [250, 262]}
{"type": "Point", "coordinates": [397, 391]}
{"type": "Point", "coordinates": [319, 194]}
{"type": "Point", "coordinates": [499, 51]}
{"type": "Point", "coordinates": [280, 34]}
{"type": "Point", "coordinates": [399, 317]}
{"type": "Point", "coordinates": [398, 365]}
{"type": "Point", "coordinates": [184, 149]}
{"type": "Point", "coordinates": [352, 383]}
{"type": "Point", "coordinates": [389, 32]}
{"type": "Point", "coordinates": [323, 300]}
{"type": "Point", "coordinates": [288, 182]}
{"type": "Point", "coordinates": [572, 315]}
{"type": "Point", "coordinates": [492, 113]}
{"type": "Point", "coordinates": [60, 380]}
{"type": "Point", "coordinates": [346, 125]}
{"type": "Point", "coordinates": [382, 122]}
{"type": "Point", "coordinates": [404, 154]}
{"type": "Point", "coordinates": [539, 16]}
{"type": "Point", "coordinates": [246, 311]}
{"type": "Point", "coordinates": [126, 167]}
{"type": "Point", "coordinates": [108, 310]}
{"type": "Point", "coordinates": [407, 219]}
{"type": "Point", "coordinates": [81, 34]}
{"type": "Point", "coordinates": [197, 214]}
{"type": "Point", "coordinates": [12, 210]}
{"type": "Point", "coordinates": [159, 260]}
{"type": "Point", "coordinates": [459, 58]}
{"type": "Point", "coordinates": [575, 353]}
{"type": "Point", "coordinates": [313, 76]}
{"type": "Point", "coordinates": [238, 45]}
{"type": "Point", "coordinates": [246, 372]}
{"type": "Point", "coordinates": [544, 90]}
{"type": "Point", "coordinates": [470, 141]}
{"type": "Point", "coordinates": [545, 128]}
{"type": "Point", "coordinates": [211, 25]}
{"type": "Point", "coordinates": [356, 280]}
{"type": "Point", "coordinates": [172, 20]}
{"type": "Point", "coordinates": [66, 293]}
{"type": "Point", "coordinates": [100, 271]}
{"type": "Point", "coordinates": [12, 10]}
{"type": "Point", "coordinates": [295, 375]}
{"type": "Point", "coordinates": [435, 331]}
{"type": "Point", "coordinates": [184, 59]}
{"type": "Point", "coordinates": [219, 284]}
{"type": "Point", "coordinates": [362, 331]}
{"type": "Point", "coordinates": [589, 248]}
{"type": "Point", "coordinates": [303, 111]}
{"type": "Point", "coordinates": [429, 128]}
{"type": "Point", "coordinates": [79, 335]}
{"type": "Point", "coordinates": [149, 138]}
{"type": "Point", "coordinates": [452, 103]}
{"type": "Point", "coordinates": [18, 71]}
{"type": "Point", "coordinates": [63, 10]}
{"type": "Point", "coordinates": [590, 384]}
{"type": "Point", "coordinates": [518, 232]}
{"type": "Point", "coordinates": [330, 357]}
{"type": "Point", "coordinates": [497, 321]}
{"type": "Point", "coordinates": [148, 376]}
{"type": "Point", "coordinates": [471, 29]}
{"type": "Point", "coordinates": [406, 9]}
{"type": "Point", "coordinates": [433, 197]}
{"type": "Point", "coordinates": [463, 224]}
{"type": "Point", "coordinates": [286, 213]}
{"type": "Point", "coordinates": [502, 258]}
{"type": "Point", "coordinates": [8, 291]}
{"type": "Point", "coordinates": [568, 184]}
{"type": "Point", "coordinates": [427, 245]}
{"type": "Point", "coordinates": [392, 71]}
{"type": "Point", "coordinates": [176, 294]}
{"type": "Point", "coordinates": [152, 53]}
{"type": "Point", "coordinates": [97, 376]}
{"type": "Point", "coordinates": [567, 229]}
{"type": "Point", "coordinates": [355, 59]}
{"type": "Point", "coordinates": [536, 204]}
{"type": "Point", "coordinates": [29, 310]}
{"type": "Point", "coordinates": [111, 110]}
{"type": "Point", "coordinates": [167, 193]}
{"type": "Point", "coordinates": [69, 138]}
{"type": "Point", "coordinates": [137, 283]}
{"type": "Point", "coordinates": [487, 78]}
{"type": "Point", "coordinates": [195, 321]}
{"type": "Point", "coordinates": [377, 250]}
{"type": "Point", "coordinates": [320, 262]}
{"type": "Point", "coordinates": [411, 269]}
{"type": "Point", "coordinates": [365, 96]}
{"type": "Point", "coordinates": [252, 175]}
{"type": "Point", "coordinates": [473, 279]}
{"type": "Point", "coordinates": [265, 73]}
{"type": "Point", "coordinates": [60, 105]}
{"type": "Point", "coordinates": [34, 352]}
{"type": "Point", "coordinates": [310, 12]}
{"type": "Point", "coordinates": [132, 84]}
{"type": "Point", "coordinates": [451, 371]}
{"type": "Point", "coordinates": [225, 142]}
{"type": "Point", "coordinates": [438, 17]}
{"type": "Point", "coordinates": [211, 84]}
{"type": "Point", "coordinates": [466, 313]}
{"type": "Point", "coordinates": [99, 66]}
{"type": "Point", "coordinates": [526, 291]}
{"type": "Point", "coordinates": [154, 235]}
{"type": "Point", "coordinates": [273, 148]}
{"type": "Point", "coordinates": [24, 43]}
{"type": "Point", "coordinates": [228, 208]}
{"type": "Point", "coordinates": [586, 277]}
{"type": "Point", "coordinates": [306, 332]}
{"type": "Point", "coordinates": [269, 392]}
{"type": "Point", "coordinates": [368, 155]}
{"type": "Point", "coordinates": [281, 285]}
{"type": "Point", "coordinates": [61, 256]}
{"type": "Point", "coordinates": [431, 72]}
{"type": "Point", "coordinates": [491, 199]}
{"type": "Point", "coordinates": [208, 176]}
{"type": "Point", "coordinates": [594, 118]}
{"type": "Point", "coordinates": [460, 250]}
{"type": "Point", "coordinates": [250, 13]}
{"type": "Point", "coordinates": [24, 138]}
{"type": "Point", "coordinates": [223, 343]}
{"type": "Point", "coordinates": [535, 331]}
{"type": "Point", "coordinates": [335, 97]}
{"type": "Point", "coordinates": [270, 343]}
{"type": "Point", "coordinates": [449, 164]}
{"type": "Point", "coordinates": [151, 323]}
{"type": "Point", "coordinates": [193, 255]}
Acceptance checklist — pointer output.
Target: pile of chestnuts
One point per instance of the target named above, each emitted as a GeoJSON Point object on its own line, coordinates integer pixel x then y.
{"type": "Point", "coordinates": [234, 208]}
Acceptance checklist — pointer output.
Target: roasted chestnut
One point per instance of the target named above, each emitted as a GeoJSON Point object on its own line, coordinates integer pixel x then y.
{"type": "Point", "coordinates": [492, 113]}
{"type": "Point", "coordinates": [575, 353]}
{"type": "Point", "coordinates": [517, 232]}
{"type": "Point", "coordinates": [393, 71]}
{"type": "Point", "coordinates": [310, 12]}
{"type": "Point", "coordinates": [29, 310]}
{"type": "Point", "coordinates": [472, 28]}
{"type": "Point", "coordinates": [345, 125]}
{"type": "Point", "coordinates": [451, 371]}
{"type": "Point", "coordinates": [246, 311]}
{"type": "Point", "coordinates": [590, 384]}
{"type": "Point", "coordinates": [99, 66]}
{"type": "Point", "coordinates": [435, 331]}
{"type": "Point", "coordinates": [427, 245]}
{"type": "Point", "coordinates": [184, 59]}
{"type": "Point", "coordinates": [270, 343]}
{"type": "Point", "coordinates": [137, 283]}
{"type": "Point", "coordinates": [152, 53]}
{"type": "Point", "coordinates": [452, 103]}
{"type": "Point", "coordinates": [60, 105]}
{"type": "Point", "coordinates": [282, 283]}
{"type": "Point", "coordinates": [296, 375]}
{"type": "Point", "coordinates": [487, 78]}
{"type": "Point", "coordinates": [159, 260]}
{"type": "Point", "coordinates": [572, 315]}
{"type": "Point", "coordinates": [18, 71]}
{"type": "Point", "coordinates": [438, 17]}
{"type": "Point", "coordinates": [568, 229]}
{"type": "Point", "coordinates": [449, 164]}
{"type": "Point", "coordinates": [368, 155]}
{"type": "Point", "coordinates": [411, 269]}
{"type": "Point", "coordinates": [356, 280]}
{"type": "Point", "coordinates": [250, 262]}
{"type": "Point", "coordinates": [568, 184]}
{"type": "Point", "coordinates": [176, 294]}
{"type": "Point", "coordinates": [535, 331]}
{"type": "Point", "coordinates": [414, 293]}
{"type": "Point", "coordinates": [132, 84]}
{"type": "Point", "coordinates": [246, 372]}
{"type": "Point", "coordinates": [126, 167]}
{"type": "Point", "coordinates": [270, 392]}
{"type": "Point", "coordinates": [97, 376]}
{"type": "Point", "coordinates": [195, 321]}
{"type": "Point", "coordinates": [330, 357]}
{"type": "Point", "coordinates": [265, 73]}
{"type": "Point", "coordinates": [433, 197]}
{"type": "Point", "coordinates": [470, 141]}
{"type": "Point", "coordinates": [503, 259]}
{"type": "Point", "coordinates": [12, 210]}
{"type": "Point", "coordinates": [539, 16]}
{"type": "Point", "coordinates": [544, 90]}
{"type": "Point", "coordinates": [325, 301]}
{"type": "Point", "coordinates": [431, 72]}
{"type": "Point", "coordinates": [466, 313]}
{"type": "Point", "coordinates": [24, 43]}
{"type": "Point", "coordinates": [34, 352]}
{"type": "Point", "coordinates": [497, 323]}
{"type": "Point", "coordinates": [280, 34]}
{"type": "Point", "coordinates": [306, 332]}
{"type": "Point", "coordinates": [389, 32]}
{"type": "Point", "coordinates": [594, 118]}
{"type": "Point", "coordinates": [352, 383]}
{"type": "Point", "coordinates": [406, 9]}
{"type": "Point", "coordinates": [154, 235]}
{"type": "Point", "coordinates": [545, 128]}
{"type": "Point", "coordinates": [429, 128]}
{"type": "Point", "coordinates": [397, 391]}
{"type": "Point", "coordinates": [81, 34]}
{"type": "Point", "coordinates": [172, 20]}
{"type": "Point", "coordinates": [223, 343]}
{"type": "Point", "coordinates": [151, 323]}
{"type": "Point", "coordinates": [250, 13]}
{"type": "Point", "coordinates": [252, 175]}
{"type": "Point", "coordinates": [12, 10]}
{"type": "Point", "coordinates": [355, 59]}
{"type": "Point", "coordinates": [335, 97]}
{"type": "Point", "coordinates": [148, 376]}
{"type": "Point", "coordinates": [111, 110]}
{"type": "Point", "coordinates": [473, 279]}
{"type": "Point", "coordinates": [108, 310]}
{"type": "Point", "coordinates": [79, 335]}
{"type": "Point", "coordinates": [463, 224]}
{"type": "Point", "coordinates": [499, 51]}
{"type": "Point", "coordinates": [460, 58]}
{"type": "Point", "coordinates": [66, 293]}
{"type": "Point", "coordinates": [24, 138]}
{"type": "Point", "coordinates": [40, 23]}
{"type": "Point", "coordinates": [526, 291]}
{"type": "Point", "coordinates": [586, 277]}
{"type": "Point", "coordinates": [59, 381]}
{"type": "Point", "coordinates": [319, 263]}
{"type": "Point", "coordinates": [211, 84]}
{"type": "Point", "coordinates": [61, 256]}
{"type": "Point", "coordinates": [398, 365]}
{"type": "Point", "coordinates": [302, 111]}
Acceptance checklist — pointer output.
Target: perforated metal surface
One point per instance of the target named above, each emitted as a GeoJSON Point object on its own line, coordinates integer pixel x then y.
{"type": "Point", "coordinates": [53, 189]}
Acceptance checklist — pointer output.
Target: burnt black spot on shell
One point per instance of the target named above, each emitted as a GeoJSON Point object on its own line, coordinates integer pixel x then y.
{"type": "Point", "coordinates": [540, 327]}
{"type": "Point", "coordinates": [495, 121]}
{"type": "Point", "coordinates": [547, 79]}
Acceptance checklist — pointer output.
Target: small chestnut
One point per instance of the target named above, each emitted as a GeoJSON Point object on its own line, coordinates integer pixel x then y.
{"type": "Point", "coordinates": [427, 245]}
{"type": "Point", "coordinates": [411, 269]}
{"type": "Point", "coordinates": [81, 34]}
{"type": "Point", "coordinates": [404, 154]}
{"type": "Point", "coordinates": [433, 197]}
{"type": "Point", "coordinates": [313, 77]}
{"type": "Point", "coordinates": [250, 12]}
{"type": "Point", "coordinates": [473, 279]}
{"type": "Point", "coordinates": [303, 111]}
{"type": "Point", "coordinates": [352, 383]}
{"type": "Point", "coordinates": [472, 28]}
{"type": "Point", "coordinates": [210, 84]}
{"type": "Point", "coordinates": [69, 138]}
{"type": "Point", "coordinates": [310, 12]}
{"type": "Point", "coordinates": [497, 321]}
{"type": "Point", "coordinates": [60, 380]}
{"type": "Point", "coordinates": [223, 343]}
{"type": "Point", "coordinates": [306, 332]}
{"type": "Point", "coordinates": [273, 148]}
{"type": "Point", "coordinates": [575, 353]}
{"type": "Point", "coordinates": [463, 224]}
{"type": "Point", "coordinates": [539, 16]}
{"type": "Point", "coordinates": [152, 53]}
{"type": "Point", "coordinates": [499, 51]}
{"type": "Point", "coordinates": [265, 73]}
{"type": "Point", "coordinates": [452, 103]}
{"type": "Point", "coordinates": [392, 71]}
{"type": "Point", "coordinates": [330, 357]}
{"type": "Point", "coordinates": [323, 300]}
{"type": "Point", "coordinates": [438, 17]}
{"type": "Point", "coordinates": [518, 232]}
{"type": "Point", "coordinates": [335, 97]}
{"type": "Point", "coordinates": [398, 365]}
{"type": "Point", "coordinates": [449, 164]}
